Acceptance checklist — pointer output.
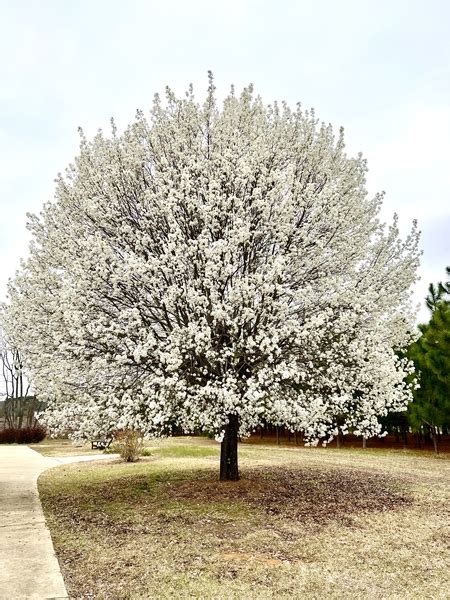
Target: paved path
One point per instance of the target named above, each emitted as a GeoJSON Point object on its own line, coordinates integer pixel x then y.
{"type": "Point", "coordinates": [29, 568]}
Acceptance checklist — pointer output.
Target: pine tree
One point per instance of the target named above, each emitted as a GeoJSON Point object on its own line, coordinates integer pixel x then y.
{"type": "Point", "coordinates": [431, 357]}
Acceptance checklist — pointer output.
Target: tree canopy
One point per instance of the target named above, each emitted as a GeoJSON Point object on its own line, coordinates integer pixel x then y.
{"type": "Point", "coordinates": [211, 268]}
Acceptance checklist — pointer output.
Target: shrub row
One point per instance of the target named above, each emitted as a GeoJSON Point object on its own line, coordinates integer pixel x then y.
{"type": "Point", "coordinates": [25, 435]}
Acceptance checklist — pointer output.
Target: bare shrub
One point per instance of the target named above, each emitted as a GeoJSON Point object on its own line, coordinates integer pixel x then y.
{"type": "Point", "coordinates": [128, 443]}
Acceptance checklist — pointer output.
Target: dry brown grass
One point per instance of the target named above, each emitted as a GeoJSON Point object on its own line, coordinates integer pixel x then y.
{"type": "Point", "coordinates": [62, 447]}
{"type": "Point", "coordinates": [301, 523]}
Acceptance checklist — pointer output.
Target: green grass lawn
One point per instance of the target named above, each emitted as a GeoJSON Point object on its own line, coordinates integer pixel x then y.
{"type": "Point", "coordinates": [301, 523]}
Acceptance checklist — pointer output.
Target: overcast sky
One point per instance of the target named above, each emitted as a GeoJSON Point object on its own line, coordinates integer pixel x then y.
{"type": "Point", "coordinates": [379, 68]}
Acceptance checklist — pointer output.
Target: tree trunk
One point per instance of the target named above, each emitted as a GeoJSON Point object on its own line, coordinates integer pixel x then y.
{"type": "Point", "coordinates": [405, 438]}
{"type": "Point", "coordinates": [435, 441]}
{"type": "Point", "coordinates": [364, 442]}
{"type": "Point", "coordinates": [229, 451]}
{"type": "Point", "coordinates": [338, 440]}
{"type": "Point", "coordinates": [278, 436]}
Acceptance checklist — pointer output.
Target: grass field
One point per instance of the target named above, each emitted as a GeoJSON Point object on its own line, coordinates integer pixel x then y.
{"type": "Point", "coordinates": [62, 447]}
{"type": "Point", "coordinates": [301, 523]}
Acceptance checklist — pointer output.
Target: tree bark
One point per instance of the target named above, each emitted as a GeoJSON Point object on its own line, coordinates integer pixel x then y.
{"type": "Point", "coordinates": [229, 451]}
{"type": "Point", "coordinates": [364, 442]}
{"type": "Point", "coordinates": [435, 441]}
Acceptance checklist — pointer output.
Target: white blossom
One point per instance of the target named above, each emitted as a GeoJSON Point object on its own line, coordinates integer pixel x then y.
{"type": "Point", "coordinates": [211, 262]}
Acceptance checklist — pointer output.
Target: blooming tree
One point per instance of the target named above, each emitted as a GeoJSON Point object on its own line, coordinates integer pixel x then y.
{"type": "Point", "coordinates": [211, 268]}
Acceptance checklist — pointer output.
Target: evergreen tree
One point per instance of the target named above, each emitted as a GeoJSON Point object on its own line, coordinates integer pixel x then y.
{"type": "Point", "coordinates": [431, 357]}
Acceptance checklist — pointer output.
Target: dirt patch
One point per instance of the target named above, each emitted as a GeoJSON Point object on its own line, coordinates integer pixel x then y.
{"type": "Point", "coordinates": [305, 494]}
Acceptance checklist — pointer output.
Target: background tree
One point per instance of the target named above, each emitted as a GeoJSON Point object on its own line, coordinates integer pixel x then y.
{"type": "Point", "coordinates": [431, 356]}
{"type": "Point", "coordinates": [438, 293]}
{"type": "Point", "coordinates": [19, 406]}
{"type": "Point", "coordinates": [211, 269]}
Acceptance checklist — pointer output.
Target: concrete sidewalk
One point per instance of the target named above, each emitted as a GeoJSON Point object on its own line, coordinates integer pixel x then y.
{"type": "Point", "coordinates": [28, 565]}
